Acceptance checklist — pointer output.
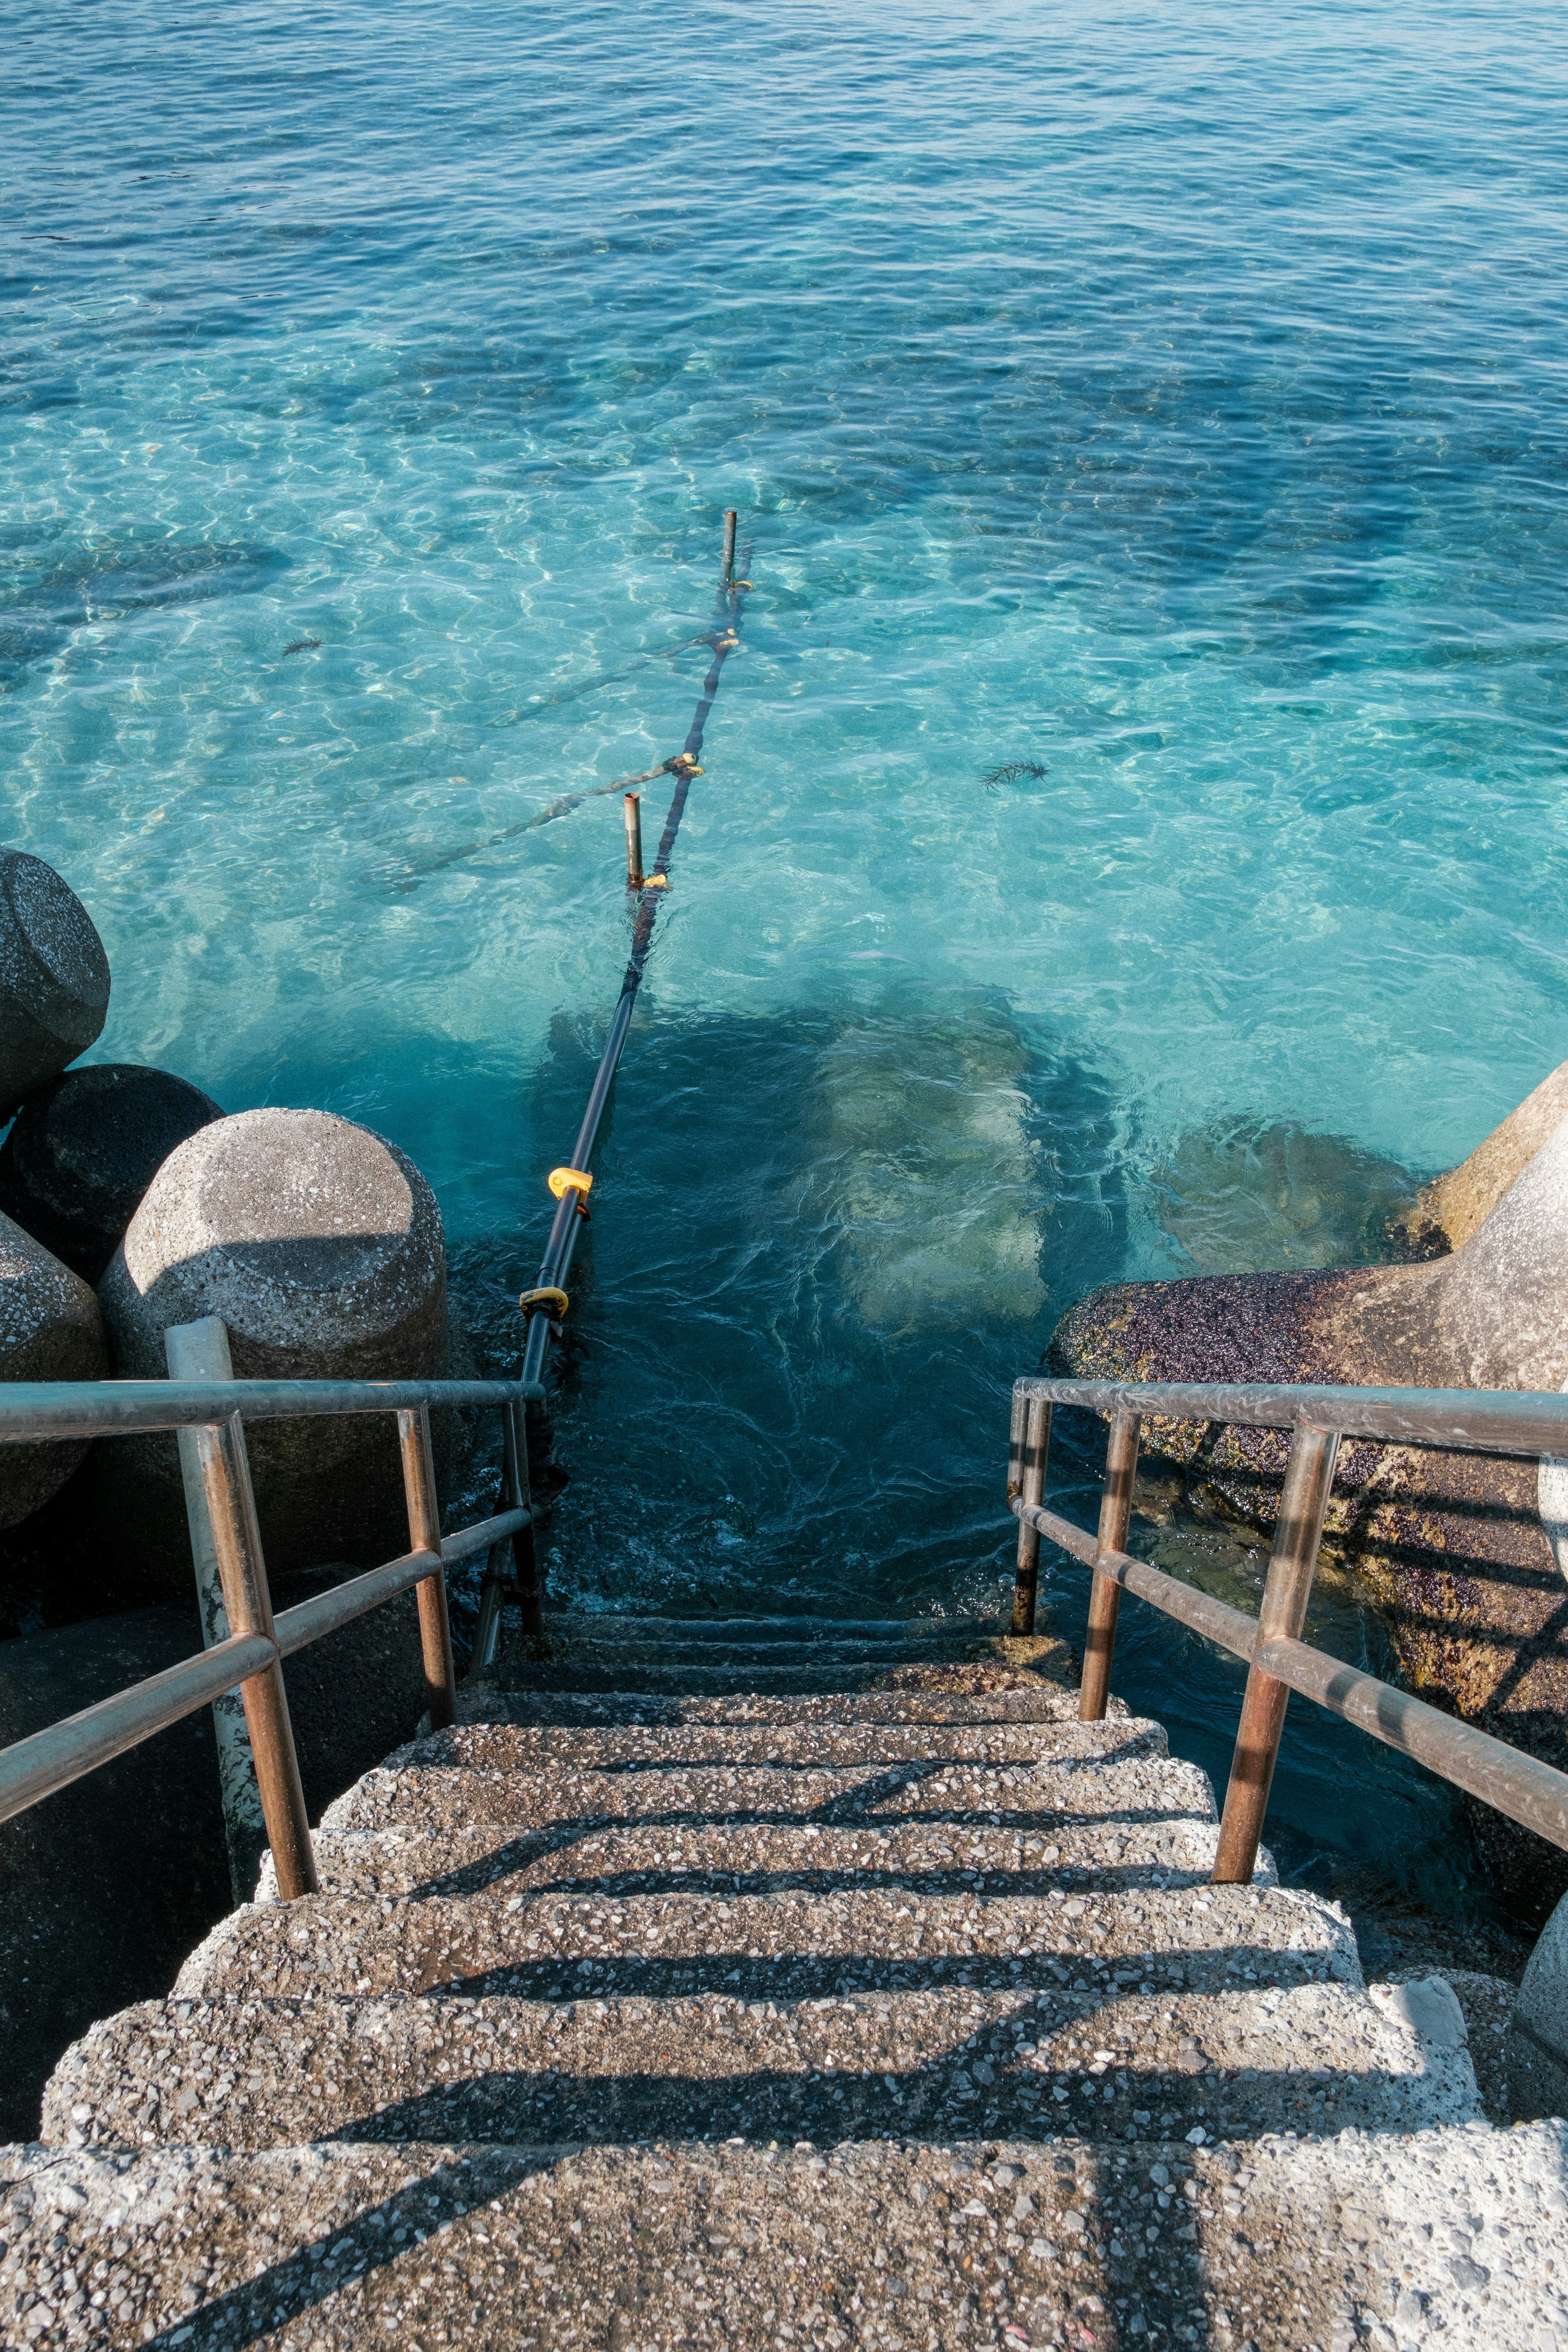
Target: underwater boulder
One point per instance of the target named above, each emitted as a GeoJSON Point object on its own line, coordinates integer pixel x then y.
{"type": "Point", "coordinates": [54, 976]}
{"type": "Point", "coordinates": [85, 1148]}
{"type": "Point", "coordinates": [50, 1330]}
{"type": "Point", "coordinates": [1455, 1550]}
{"type": "Point", "coordinates": [321, 1246]}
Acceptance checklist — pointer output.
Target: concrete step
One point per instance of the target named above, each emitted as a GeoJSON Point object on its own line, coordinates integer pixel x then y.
{"type": "Point", "coordinates": [696, 1673]}
{"type": "Point", "coordinates": [764, 1856]}
{"type": "Point", "coordinates": [869, 2065]}
{"type": "Point", "coordinates": [1279, 2242]}
{"type": "Point", "coordinates": [979, 1636]}
{"type": "Point", "coordinates": [480, 1700]}
{"type": "Point", "coordinates": [1028, 1797]}
{"type": "Point", "coordinates": [503, 1940]}
{"type": "Point", "coordinates": [532, 1747]}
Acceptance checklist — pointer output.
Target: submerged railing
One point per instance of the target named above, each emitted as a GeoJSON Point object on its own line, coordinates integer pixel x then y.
{"type": "Point", "coordinates": [251, 1643]}
{"type": "Point", "coordinates": [1468, 1421]}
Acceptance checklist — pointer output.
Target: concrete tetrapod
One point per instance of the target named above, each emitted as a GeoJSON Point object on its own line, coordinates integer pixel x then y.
{"type": "Point", "coordinates": [50, 1330]}
{"type": "Point", "coordinates": [79, 1160]}
{"type": "Point", "coordinates": [54, 976]}
{"type": "Point", "coordinates": [1453, 1546]}
{"type": "Point", "coordinates": [321, 1246]}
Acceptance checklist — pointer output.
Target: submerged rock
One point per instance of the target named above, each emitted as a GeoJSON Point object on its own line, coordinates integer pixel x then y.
{"type": "Point", "coordinates": [76, 1164]}
{"type": "Point", "coordinates": [54, 976]}
{"type": "Point", "coordinates": [321, 1246]}
{"type": "Point", "coordinates": [1452, 1547]}
{"type": "Point", "coordinates": [50, 1330]}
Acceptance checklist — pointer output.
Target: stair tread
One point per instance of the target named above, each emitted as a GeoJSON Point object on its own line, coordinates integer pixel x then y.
{"type": "Point", "coordinates": [526, 1746]}
{"type": "Point", "coordinates": [1023, 1795]}
{"type": "Point", "coordinates": [1031, 1702]}
{"type": "Point", "coordinates": [391, 1943]}
{"type": "Point", "coordinates": [712, 2246]}
{"type": "Point", "coordinates": [735, 1634]}
{"type": "Point", "coordinates": [929, 2062]}
{"type": "Point", "coordinates": [659, 1673]}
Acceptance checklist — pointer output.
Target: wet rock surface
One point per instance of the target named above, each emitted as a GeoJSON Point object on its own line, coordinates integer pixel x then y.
{"type": "Point", "coordinates": [80, 1158]}
{"type": "Point", "coordinates": [54, 976]}
{"type": "Point", "coordinates": [50, 1330]}
{"type": "Point", "coordinates": [320, 1247]}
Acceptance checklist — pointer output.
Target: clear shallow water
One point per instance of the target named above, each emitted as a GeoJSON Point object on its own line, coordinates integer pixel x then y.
{"type": "Point", "coordinates": [1173, 397]}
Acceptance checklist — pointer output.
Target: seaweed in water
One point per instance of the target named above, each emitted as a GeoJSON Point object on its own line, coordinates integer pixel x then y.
{"type": "Point", "coordinates": [301, 646]}
{"type": "Point", "coordinates": [1012, 772]}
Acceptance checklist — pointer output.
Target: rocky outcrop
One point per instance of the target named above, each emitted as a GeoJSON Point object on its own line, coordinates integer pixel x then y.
{"type": "Point", "coordinates": [76, 1165]}
{"type": "Point", "coordinates": [50, 1330]}
{"type": "Point", "coordinates": [54, 976]}
{"type": "Point", "coordinates": [320, 1247]}
{"type": "Point", "coordinates": [1452, 1546]}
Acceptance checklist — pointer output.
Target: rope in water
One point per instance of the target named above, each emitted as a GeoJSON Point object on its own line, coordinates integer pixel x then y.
{"type": "Point", "coordinates": [547, 1302]}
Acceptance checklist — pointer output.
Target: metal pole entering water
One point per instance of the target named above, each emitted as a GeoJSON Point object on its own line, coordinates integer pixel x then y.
{"type": "Point", "coordinates": [633, 805]}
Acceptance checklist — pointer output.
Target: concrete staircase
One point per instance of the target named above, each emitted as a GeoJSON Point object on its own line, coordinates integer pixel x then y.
{"type": "Point", "coordinates": [784, 1983]}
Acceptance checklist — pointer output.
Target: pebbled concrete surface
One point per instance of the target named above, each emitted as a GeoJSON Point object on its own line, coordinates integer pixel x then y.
{"type": "Point", "coordinates": [927, 2065]}
{"type": "Point", "coordinates": [1029, 1702]}
{"type": "Point", "coordinates": [1028, 1796]}
{"type": "Point", "coordinates": [523, 1748]}
{"type": "Point", "coordinates": [1457, 2238]}
{"type": "Point", "coordinates": [520, 1943]}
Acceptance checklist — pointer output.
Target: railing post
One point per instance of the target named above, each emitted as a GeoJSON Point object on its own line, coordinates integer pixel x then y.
{"type": "Point", "coordinates": [199, 1352]}
{"type": "Point", "coordinates": [1308, 1475]}
{"type": "Point", "coordinates": [424, 1535]}
{"type": "Point", "coordinates": [1027, 1466]}
{"type": "Point", "coordinates": [525, 1583]}
{"type": "Point", "coordinates": [1104, 1597]}
{"type": "Point", "coordinates": [525, 1559]}
{"type": "Point", "coordinates": [223, 1471]}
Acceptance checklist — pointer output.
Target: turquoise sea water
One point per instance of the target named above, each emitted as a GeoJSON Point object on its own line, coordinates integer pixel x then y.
{"type": "Point", "coordinates": [1170, 397]}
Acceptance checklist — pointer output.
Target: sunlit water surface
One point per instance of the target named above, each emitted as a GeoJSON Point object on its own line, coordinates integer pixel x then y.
{"type": "Point", "coordinates": [1169, 398]}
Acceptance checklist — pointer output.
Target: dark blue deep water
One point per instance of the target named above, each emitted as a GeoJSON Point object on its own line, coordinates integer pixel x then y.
{"type": "Point", "coordinates": [1170, 397]}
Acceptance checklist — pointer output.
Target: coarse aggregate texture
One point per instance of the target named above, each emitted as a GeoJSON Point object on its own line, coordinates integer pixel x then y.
{"type": "Point", "coordinates": [933, 2063]}
{"type": "Point", "coordinates": [1024, 1700]}
{"type": "Point", "coordinates": [743, 2029]}
{"type": "Point", "coordinates": [50, 1330]}
{"type": "Point", "coordinates": [320, 1247]}
{"type": "Point", "coordinates": [54, 976]}
{"type": "Point", "coordinates": [1028, 1795]}
{"type": "Point", "coordinates": [79, 1160]}
{"type": "Point", "coordinates": [808, 1941]}
{"type": "Point", "coordinates": [524, 1746]}
{"type": "Point", "coordinates": [1455, 2237]}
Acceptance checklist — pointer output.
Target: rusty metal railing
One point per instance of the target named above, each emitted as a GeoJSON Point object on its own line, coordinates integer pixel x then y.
{"type": "Point", "coordinates": [1479, 1421]}
{"type": "Point", "coordinates": [252, 1642]}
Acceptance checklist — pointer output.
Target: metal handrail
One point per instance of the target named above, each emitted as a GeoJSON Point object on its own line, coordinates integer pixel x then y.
{"type": "Point", "coordinates": [1462, 1421]}
{"type": "Point", "coordinates": [1528, 1792]}
{"type": "Point", "coordinates": [47, 1409]}
{"type": "Point", "coordinates": [251, 1643]}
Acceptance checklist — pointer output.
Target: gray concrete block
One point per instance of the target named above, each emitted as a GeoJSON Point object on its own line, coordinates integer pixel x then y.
{"type": "Point", "coordinates": [54, 976]}
{"type": "Point", "coordinates": [1538, 2030]}
{"type": "Point", "coordinates": [50, 1330]}
{"type": "Point", "coordinates": [321, 1246]}
{"type": "Point", "coordinates": [80, 1156]}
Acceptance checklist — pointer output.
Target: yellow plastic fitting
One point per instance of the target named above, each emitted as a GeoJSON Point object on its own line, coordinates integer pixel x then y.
{"type": "Point", "coordinates": [562, 1181]}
